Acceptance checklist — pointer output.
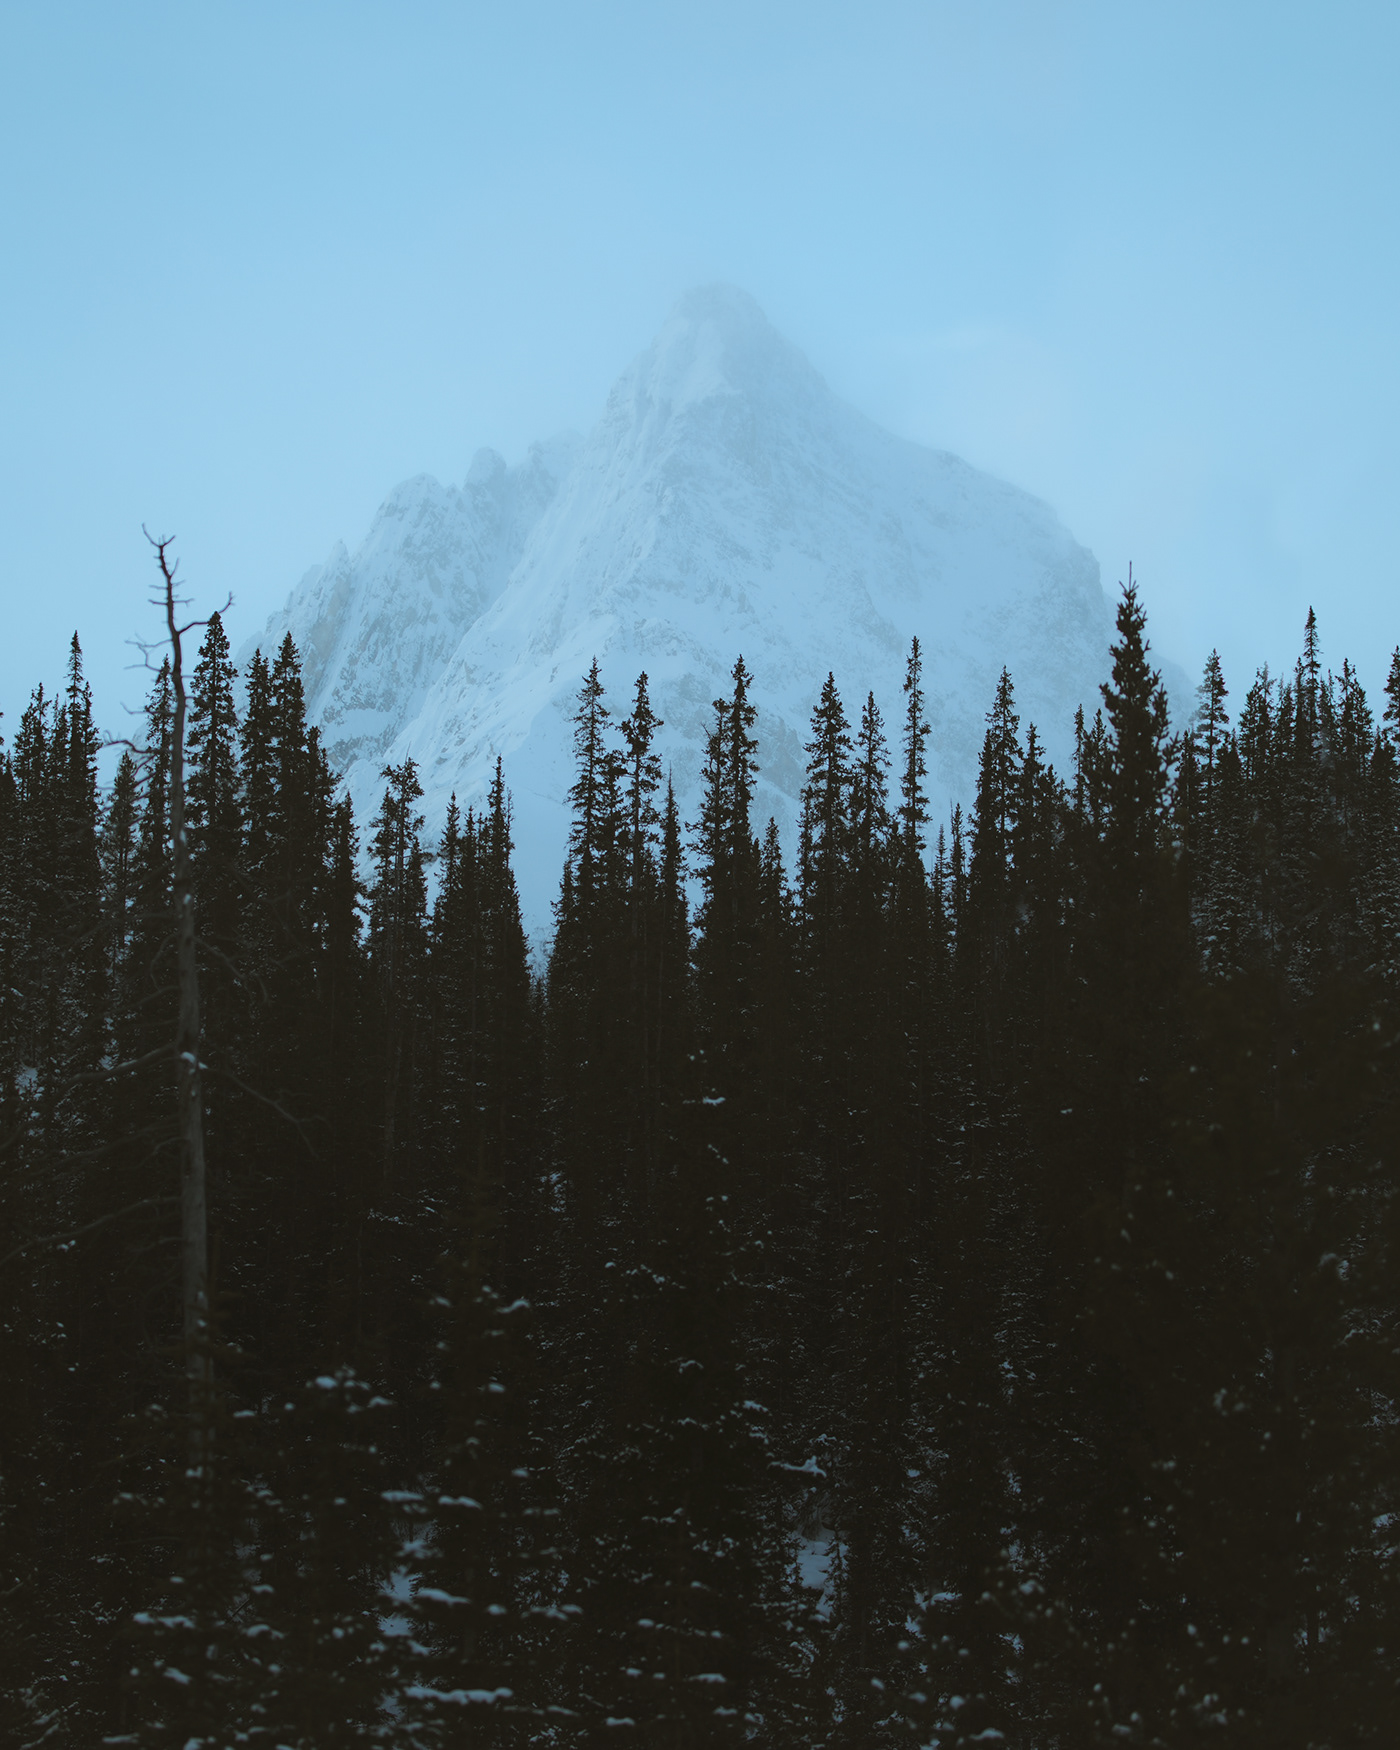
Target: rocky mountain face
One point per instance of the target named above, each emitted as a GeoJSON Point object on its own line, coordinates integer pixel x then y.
{"type": "Point", "coordinates": [376, 630]}
{"type": "Point", "coordinates": [725, 503]}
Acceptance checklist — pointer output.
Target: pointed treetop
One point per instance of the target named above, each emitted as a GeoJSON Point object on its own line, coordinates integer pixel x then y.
{"type": "Point", "coordinates": [1136, 703]}
{"type": "Point", "coordinates": [1391, 714]}
{"type": "Point", "coordinates": [913, 799]}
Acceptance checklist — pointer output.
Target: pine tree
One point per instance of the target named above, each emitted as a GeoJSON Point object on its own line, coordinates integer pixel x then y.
{"type": "Point", "coordinates": [493, 1569]}
{"type": "Point", "coordinates": [1090, 774]}
{"type": "Point", "coordinates": [777, 1011]}
{"type": "Point", "coordinates": [118, 850]}
{"type": "Point", "coordinates": [1212, 719]}
{"type": "Point", "coordinates": [1186, 806]}
{"type": "Point", "coordinates": [596, 966]}
{"type": "Point", "coordinates": [1136, 788]}
{"type": "Point", "coordinates": [257, 775]}
{"type": "Point", "coordinates": [145, 1019]}
{"type": "Point", "coordinates": [398, 901]}
{"type": "Point", "coordinates": [74, 926]}
{"type": "Point", "coordinates": [298, 828]}
{"type": "Point", "coordinates": [588, 793]}
{"type": "Point", "coordinates": [1104, 1132]}
{"type": "Point", "coordinates": [957, 871]}
{"type": "Point", "coordinates": [511, 1083]}
{"type": "Point", "coordinates": [1039, 842]}
{"type": "Point", "coordinates": [913, 802]}
{"type": "Point", "coordinates": [826, 824]}
{"type": "Point", "coordinates": [726, 866]}
{"type": "Point", "coordinates": [672, 1023]}
{"type": "Point", "coordinates": [1307, 693]}
{"type": "Point", "coordinates": [639, 730]}
{"type": "Point", "coordinates": [216, 822]}
{"type": "Point", "coordinates": [1391, 715]}
{"type": "Point", "coordinates": [917, 934]}
{"type": "Point", "coordinates": [350, 1107]}
{"type": "Point", "coordinates": [990, 874]}
{"type": "Point", "coordinates": [870, 815]}
{"type": "Point", "coordinates": [643, 779]}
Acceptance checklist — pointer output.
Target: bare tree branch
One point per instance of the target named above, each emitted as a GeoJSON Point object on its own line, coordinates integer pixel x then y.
{"type": "Point", "coordinates": [296, 1123]}
{"type": "Point", "coordinates": [77, 1233]}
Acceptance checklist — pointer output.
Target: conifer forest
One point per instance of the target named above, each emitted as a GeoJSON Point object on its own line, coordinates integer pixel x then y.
{"type": "Point", "coordinates": [933, 1283]}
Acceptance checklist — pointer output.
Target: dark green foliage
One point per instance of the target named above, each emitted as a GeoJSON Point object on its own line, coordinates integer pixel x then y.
{"type": "Point", "coordinates": [1212, 719]}
{"type": "Point", "coordinates": [727, 861]}
{"type": "Point", "coordinates": [900, 1305]}
{"type": "Point", "coordinates": [215, 800]}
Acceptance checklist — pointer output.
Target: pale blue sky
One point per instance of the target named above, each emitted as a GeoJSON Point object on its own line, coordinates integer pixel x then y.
{"type": "Point", "coordinates": [260, 262]}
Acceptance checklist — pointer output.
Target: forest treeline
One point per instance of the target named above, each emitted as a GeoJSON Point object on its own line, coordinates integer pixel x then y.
{"type": "Point", "coordinates": [912, 1286]}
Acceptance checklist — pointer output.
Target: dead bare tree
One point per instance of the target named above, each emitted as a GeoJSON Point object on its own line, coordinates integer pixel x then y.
{"type": "Point", "coordinates": [189, 1093]}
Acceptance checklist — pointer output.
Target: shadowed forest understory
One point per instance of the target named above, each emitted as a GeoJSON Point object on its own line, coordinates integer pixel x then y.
{"type": "Point", "coordinates": [928, 1284]}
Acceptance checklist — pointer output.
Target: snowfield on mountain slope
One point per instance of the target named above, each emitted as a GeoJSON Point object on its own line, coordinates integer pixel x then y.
{"type": "Point", "coordinates": [726, 502]}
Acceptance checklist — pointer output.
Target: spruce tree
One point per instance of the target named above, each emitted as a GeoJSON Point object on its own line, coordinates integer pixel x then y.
{"type": "Point", "coordinates": [397, 904]}
{"type": "Point", "coordinates": [1390, 717]}
{"type": "Point", "coordinates": [118, 849]}
{"type": "Point", "coordinates": [913, 802]}
{"type": "Point", "coordinates": [826, 823]}
{"type": "Point", "coordinates": [484, 1620]}
{"type": "Point", "coordinates": [990, 874]}
{"type": "Point", "coordinates": [643, 779]}
{"type": "Point", "coordinates": [144, 1017]}
{"type": "Point", "coordinates": [257, 777]}
{"type": "Point", "coordinates": [726, 866]}
{"type": "Point", "coordinates": [1212, 719]}
{"type": "Point", "coordinates": [216, 821]}
{"type": "Point", "coordinates": [1138, 750]}
{"type": "Point", "coordinates": [672, 1022]}
{"type": "Point", "coordinates": [85, 979]}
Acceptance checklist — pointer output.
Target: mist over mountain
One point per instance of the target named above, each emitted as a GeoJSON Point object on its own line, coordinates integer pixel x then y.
{"type": "Point", "coordinates": [726, 502]}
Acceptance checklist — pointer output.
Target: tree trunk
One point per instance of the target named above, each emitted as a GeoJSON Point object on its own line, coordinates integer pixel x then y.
{"type": "Point", "coordinates": [189, 1095]}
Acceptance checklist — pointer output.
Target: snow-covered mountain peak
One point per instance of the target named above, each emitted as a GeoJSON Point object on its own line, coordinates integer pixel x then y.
{"type": "Point", "coordinates": [726, 502]}
{"type": "Point", "coordinates": [716, 342]}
